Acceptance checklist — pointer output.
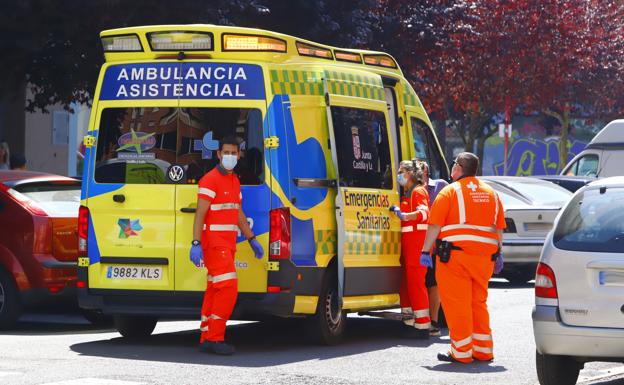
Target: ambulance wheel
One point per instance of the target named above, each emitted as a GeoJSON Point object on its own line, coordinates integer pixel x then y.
{"type": "Point", "coordinates": [10, 305]}
{"type": "Point", "coordinates": [96, 318]}
{"type": "Point", "coordinates": [556, 370]}
{"type": "Point", "coordinates": [135, 327]}
{"type": "Point", "coordinates": [327, 326]}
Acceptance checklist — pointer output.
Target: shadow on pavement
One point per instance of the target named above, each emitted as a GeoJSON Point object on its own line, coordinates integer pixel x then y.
{"type": "Point", "coordinates": [474, 367]}
{"type": "Point", "coordinates": [258, 344]}
{"type": "Point", "coordinates": [504, 284]}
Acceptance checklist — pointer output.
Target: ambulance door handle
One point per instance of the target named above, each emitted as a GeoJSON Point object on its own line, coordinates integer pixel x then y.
{"type": "Point", "coordinates": [188, 209]}
{"type": "Point", "coordinates": [119, 198]}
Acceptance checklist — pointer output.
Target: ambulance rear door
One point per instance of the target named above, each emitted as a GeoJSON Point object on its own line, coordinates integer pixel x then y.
{"type": "Point", "coordinates": [361, 146]}
{"type": "Point", "coordinates": [217, 100]}
{"type": "Point", "coordinates": [131, 201]}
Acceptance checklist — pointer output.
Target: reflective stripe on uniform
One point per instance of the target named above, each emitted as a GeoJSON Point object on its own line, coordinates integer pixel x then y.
{"type": "Point", "coordinates": [407, 229]}
{"type": "Point", "coordinates": [461, 205]}
{"type": "Point", "coordinates": [421, 313]}
{"type": "Point", "coordinates": [204, 328]}
{"type": "Point", "coordinates": [223, 227]}
{"type": "Point", "coordinates": [214, 316]}
{"type": "Point", "coordinates": [475, 238]}
{"type": "Point", "coordinates": [496, 210]}
{"type": "Point", "coordinates": [482, 337]}
{"type": "Point", "coordinates": [207, 191]}
{"type": "Point", "coordinates": [422, 326]}
{"type": "Point", "coordinates": [482, 349]}
{"type": "Point", "coordinates": [457, 354]}
{"type": "Point", "coordinates": [209, 278]}
{"type": "Point", "coordinates": [224, 277]}
{"type": "Point", "coordinates": [422, 226]}
{"type": "Point", "coordinates": [224, 206]}
{"type": "Point", "coordinates": [204, 318]}
{"type": "Point", "coordinates": [407, 310]}
{"type": "Point", "coordinates": [463, 342]}
{"type": "Point", "coordinates": [488, 229]}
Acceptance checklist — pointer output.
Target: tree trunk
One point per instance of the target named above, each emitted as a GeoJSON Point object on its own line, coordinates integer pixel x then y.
{"type": "Point", "coordinates": [563, 140]}
{"type": "Point", "coordinates": [481, 152]}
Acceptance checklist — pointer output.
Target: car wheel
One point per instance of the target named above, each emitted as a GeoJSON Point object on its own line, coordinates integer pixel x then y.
{"type": "Point", "coordinates": [327, 326]}
{"type": "Point", "coordinates": [135, 327]}
{"type": "Point", "coordinates": [96, 318]}
{"type": "Point", "coordinates": [10, 305]}
{"type": "Point", "coordinates": [518, 277]}
{"type": "Point", "coordinates": [556, 370]}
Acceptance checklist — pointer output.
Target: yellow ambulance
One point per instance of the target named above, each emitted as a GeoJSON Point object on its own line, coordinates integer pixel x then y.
{"type": "Point", "coordinates": [322, 131]}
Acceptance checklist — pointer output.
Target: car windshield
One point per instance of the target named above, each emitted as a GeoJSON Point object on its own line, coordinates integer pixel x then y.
{"type": "Point", "coordinates": [508, 197]}
{"type": "Point", "coordinates": [541, 193]}
{"type": "Point", "coordinates": [593, 222]}
{"type": "Point", "coordinates": [58, 199]}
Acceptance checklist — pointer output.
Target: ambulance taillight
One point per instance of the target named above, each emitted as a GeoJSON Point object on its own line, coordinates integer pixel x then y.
{"type": "Point", "coordinates": [83, 230]}
{"type": "Point", "coordinates": [279, 233]}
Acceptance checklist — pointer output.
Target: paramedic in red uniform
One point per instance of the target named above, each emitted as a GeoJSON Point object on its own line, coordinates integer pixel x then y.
{"type": "Point", "coordinates": [414, 212]}
{"type": "Point", "coordinates": [218, 218]}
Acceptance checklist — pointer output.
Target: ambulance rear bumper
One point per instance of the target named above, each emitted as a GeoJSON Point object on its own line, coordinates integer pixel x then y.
{"type": "Point", "coordinates": [182, 305]}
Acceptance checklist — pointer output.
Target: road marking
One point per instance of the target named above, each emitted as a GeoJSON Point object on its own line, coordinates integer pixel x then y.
{"type": "Point", "coordinates": [606, 373]}
{"type": "Point", "coordinates": [93, 381]}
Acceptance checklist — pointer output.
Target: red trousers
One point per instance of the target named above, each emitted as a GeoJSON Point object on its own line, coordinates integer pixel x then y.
{"type": "Point", "coordinates": [463, 285]}
{"type": "Point", "coordinates": [221, 293]}
{"type": "Point", "coordinates": [414, 297]}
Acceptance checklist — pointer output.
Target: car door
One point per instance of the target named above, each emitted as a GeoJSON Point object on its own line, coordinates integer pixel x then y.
{"type": "Point", "coordinates": [131, 202]}
{"type": "Point", "coordinates": [588, 258]}
{"type": "Point", "coordinates": [202, 123]}
{"type": "Point", "coordinates": [361, 146]}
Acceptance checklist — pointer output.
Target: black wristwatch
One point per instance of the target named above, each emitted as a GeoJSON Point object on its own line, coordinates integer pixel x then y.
{"type": "Point", "coordinates": [196, 242]}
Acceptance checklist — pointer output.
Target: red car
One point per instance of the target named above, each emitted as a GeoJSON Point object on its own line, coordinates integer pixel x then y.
{"type": "Point", "coordinates": [38, 240]}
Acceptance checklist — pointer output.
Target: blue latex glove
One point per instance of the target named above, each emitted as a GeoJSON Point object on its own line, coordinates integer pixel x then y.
{"type": "Point", "coordinates": [197, 255]}
{"type": "Point", "coordinates": [397, 212]}
{"type": "Point", "coordinates": [257, 248]}
{"type": "Point", "coordinates": [425, 259]}
{"type": "Point", "coordinates": [498, 265]}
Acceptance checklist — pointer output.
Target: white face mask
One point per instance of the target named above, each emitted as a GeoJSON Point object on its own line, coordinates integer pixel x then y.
{"type": "Point", "coordinates": [229, 162]}
{"type": "Point", "coordinates": [401, 179]}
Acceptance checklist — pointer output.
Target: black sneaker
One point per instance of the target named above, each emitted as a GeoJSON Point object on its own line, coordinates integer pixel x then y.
{"type": "Point", "coordinates": [413, 333]}
{"type": "Point", "coordinates": [217, 347]}
{"type": "Point", "coordinates": [434, 330]}
{"type": "Point", "coordinates": [446, 357]}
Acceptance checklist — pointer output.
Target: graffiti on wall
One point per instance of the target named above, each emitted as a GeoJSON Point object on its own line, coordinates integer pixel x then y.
{"type": "Point", "coordinates": [536, 157]}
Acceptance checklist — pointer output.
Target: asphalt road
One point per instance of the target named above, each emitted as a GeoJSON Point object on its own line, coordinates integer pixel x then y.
{"type": "Point", "coordinates": [59, 347]}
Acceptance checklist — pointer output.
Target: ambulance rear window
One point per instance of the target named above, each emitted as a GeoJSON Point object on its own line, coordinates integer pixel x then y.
{"type": "Point", "coordinates": [141, 145]}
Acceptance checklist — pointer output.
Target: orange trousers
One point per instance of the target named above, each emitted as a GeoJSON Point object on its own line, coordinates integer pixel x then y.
{"type": "Point", "coordinates": [463, 285]}
{"type": "Point", "coordinates": [220, 295]}
{"type": "Point", "coordinates": [413, 294]}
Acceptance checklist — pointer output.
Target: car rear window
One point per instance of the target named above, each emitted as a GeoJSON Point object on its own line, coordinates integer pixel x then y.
{"type": "Point", "coordinates": [139, 145]}
{"type": "Point", "coordinates": [57, 199]}
{"type": "Point", "coordinates": [544, 193]}
{"type": "Point", "coordinates": [593, 221]}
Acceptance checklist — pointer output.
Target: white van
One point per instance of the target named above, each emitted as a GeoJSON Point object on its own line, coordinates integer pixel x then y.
{"type": "Point", "coordinates": [603, 156]}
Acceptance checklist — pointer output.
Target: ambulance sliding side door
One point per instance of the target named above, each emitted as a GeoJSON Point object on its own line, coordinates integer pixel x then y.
{"type": "Point", "coordinates": [368, 236]}
{"type": "Point", "coordinates": [426, 145]}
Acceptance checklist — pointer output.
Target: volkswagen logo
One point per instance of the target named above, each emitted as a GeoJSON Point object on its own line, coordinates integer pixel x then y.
{"type": "Point", "coordinates": [175, 173]}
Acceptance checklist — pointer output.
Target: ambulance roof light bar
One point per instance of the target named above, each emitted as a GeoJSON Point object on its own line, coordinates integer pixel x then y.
{"type": "Point", "coordinates": [258, 43]}
{"type": "Point", "coordinates": [348, 56]}
{"type": "Point", "coordinates": [180, 41]}
{"type": "Point", "coordinates": [380, 61]}
{"type": "Point", "coordinates": [122, 43]}
{"type": "Point", "coordinates": [305, 49]}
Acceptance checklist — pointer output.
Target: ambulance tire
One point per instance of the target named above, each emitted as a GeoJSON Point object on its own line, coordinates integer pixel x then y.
{"type": "Point", "coordinates": [135, 327]}
{"type": "Point", "coordinates": [327, 326]}
{"type": "Point", "coordinates": [10, 305]}
{"type": "Point", "coordinates": [556, 370]}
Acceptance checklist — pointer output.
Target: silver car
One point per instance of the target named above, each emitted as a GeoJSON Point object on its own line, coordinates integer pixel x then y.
{"type": "Point", "coordinates": [531, 206]}
{"type": "Point", "coordinates": [579, 286]}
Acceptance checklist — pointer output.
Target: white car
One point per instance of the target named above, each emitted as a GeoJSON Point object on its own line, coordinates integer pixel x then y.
{"type": "Point", "coordinates": [531, 206]}
{"type": "Point", "coordinates": [579, 286]}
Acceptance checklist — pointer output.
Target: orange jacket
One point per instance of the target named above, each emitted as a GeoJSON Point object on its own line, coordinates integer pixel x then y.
{"type": "Point", "coordinates": [413, 232]}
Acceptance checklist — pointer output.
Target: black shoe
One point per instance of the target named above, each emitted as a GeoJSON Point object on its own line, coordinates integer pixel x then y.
{"type": "Point", "coordinates": [446, 357]}
{"type": "Point", "coordinates": [434, 330]}
{"type": "Point", "coordinates": [220, 348]}
{"type": "Point", "coordinates": [413, 333]}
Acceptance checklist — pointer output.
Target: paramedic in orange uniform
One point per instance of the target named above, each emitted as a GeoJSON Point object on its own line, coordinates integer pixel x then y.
{"type": "Point", "coordinates": [469, 215]}
{"type": "Point", "coordinates": [218, 218]}
{"type": "Point", "coordinates": [414, 212]}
